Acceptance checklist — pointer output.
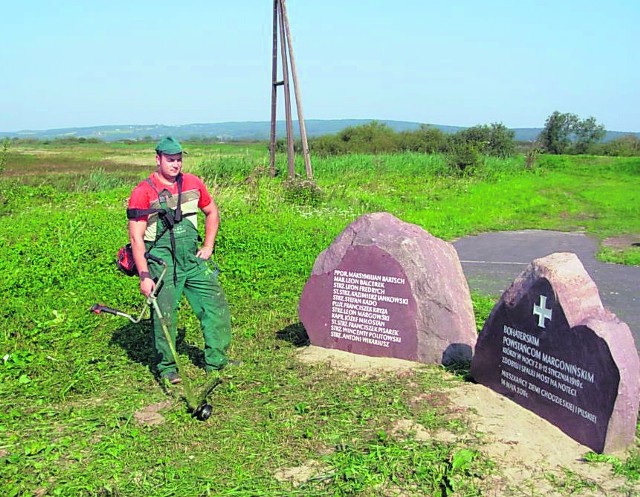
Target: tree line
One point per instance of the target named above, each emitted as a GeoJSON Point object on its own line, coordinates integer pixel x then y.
{"type": "Point", "coordinates": [563, 133]}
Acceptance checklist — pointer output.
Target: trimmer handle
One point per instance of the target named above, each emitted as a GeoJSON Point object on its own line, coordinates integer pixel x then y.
{"type": "Point", "coordinates": [147, 255]}
{"type": "Point", "coordinates": [98, 308]}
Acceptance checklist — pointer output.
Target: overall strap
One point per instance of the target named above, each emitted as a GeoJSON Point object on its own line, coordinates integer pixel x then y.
{"type": "Point", "coordinates": [178, 215]}
{"type": "Point", "coordinates": [168, 221]}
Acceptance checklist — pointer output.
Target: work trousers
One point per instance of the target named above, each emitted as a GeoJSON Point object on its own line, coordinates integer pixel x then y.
{"type": "Point", "coordinates": [197, 280]}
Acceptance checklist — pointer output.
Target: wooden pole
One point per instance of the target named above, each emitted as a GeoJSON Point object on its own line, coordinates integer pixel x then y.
{"type": "Point", "coordinates": [287, 95]}
{"type": "Point", "coordinates": [274, 91]}
{"type": "Point", "coordinates": [282, 31]}
{"type": "Point", "coordinates": [303, 129]}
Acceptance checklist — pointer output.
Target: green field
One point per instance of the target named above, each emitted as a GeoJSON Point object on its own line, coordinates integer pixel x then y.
{"type": "Point", "coordinates": [71, 382]}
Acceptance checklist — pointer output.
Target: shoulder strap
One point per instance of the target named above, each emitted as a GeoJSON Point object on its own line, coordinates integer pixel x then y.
{"type": "Point", "coordinates": [136, 213]}
{"type": "Point", "coordinates": [178, 214]}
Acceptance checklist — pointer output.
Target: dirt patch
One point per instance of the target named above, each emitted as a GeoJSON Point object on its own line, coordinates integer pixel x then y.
{"type": "Point", "coordinates": [300, 474]}
{"type": "Point", "coordinates": [532, 456]}
{"type": "Point", "coordinates": [354, 362]}
{"type": "Point", "coordinates": [622, 242]}
{"type": "Point", "coordinates": [532, 453]}
{"type": "Point", "coordinates": [150, 415]}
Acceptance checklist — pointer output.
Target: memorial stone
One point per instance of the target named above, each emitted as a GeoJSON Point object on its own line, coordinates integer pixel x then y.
{"type": "Point", "coordinates": [550, 346]}
{"type": "Point", "coordinates": [386, 288]}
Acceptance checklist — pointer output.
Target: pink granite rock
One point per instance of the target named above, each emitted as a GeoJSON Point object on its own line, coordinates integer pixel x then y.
{"type": "Point", "coordinates": [551, 346]}
{"type": "Point", "coordinates": [387, 288]}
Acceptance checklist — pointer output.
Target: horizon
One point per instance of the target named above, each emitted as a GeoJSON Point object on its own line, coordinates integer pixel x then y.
{"type": "Point", "coordinates": [279, 121]}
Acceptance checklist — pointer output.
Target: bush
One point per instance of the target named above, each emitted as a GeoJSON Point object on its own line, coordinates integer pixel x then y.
{"type": "Point", "coordinates": [374, 137]}
{"type": "Point", "coordinates": [4, 153]}
{"type": "Point", "coordinates": [531, 156]}
{"type": "Point", "coordinates": [377, 138]}
{"type": "Point", "coordinates": [426, 140]}
{"type": "Point", "coordinates": [495, 140]}
{"type": "Point", "coordinates": [300, 191]}
{"type": "Point", "coordinates": [626, 146]}
{"type": "Point", "coordinates": [463, 158]}
{"type": "Point", "coordinates": [327, 146]}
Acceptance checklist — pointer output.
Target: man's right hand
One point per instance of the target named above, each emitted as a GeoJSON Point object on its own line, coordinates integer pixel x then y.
{"type": "Point", "coordinates": [147, 285]}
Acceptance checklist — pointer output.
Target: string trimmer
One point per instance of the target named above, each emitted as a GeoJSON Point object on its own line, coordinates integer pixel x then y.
{"type": "Point", "coordinates": [199, 409]}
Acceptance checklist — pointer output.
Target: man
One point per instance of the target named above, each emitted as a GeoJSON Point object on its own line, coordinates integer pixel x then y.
{"type": "Point", "coordinates": [162, 215]}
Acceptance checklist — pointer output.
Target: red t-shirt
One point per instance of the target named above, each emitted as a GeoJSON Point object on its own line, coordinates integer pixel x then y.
{"type": "Point", "coordinates": [143, 194]}
{"type": "Point", "coordinates": [195, 196]}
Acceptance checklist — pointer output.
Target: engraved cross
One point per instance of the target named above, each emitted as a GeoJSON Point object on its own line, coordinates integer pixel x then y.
{"type": "Point", "coordinates": [541, 311]}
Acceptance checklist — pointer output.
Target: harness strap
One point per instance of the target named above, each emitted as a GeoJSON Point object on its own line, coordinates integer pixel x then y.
{"type": "Point", "coordinates": [167, 221]}
{"type": "Point", "coordinates": [177, 218]}
{"type": "Point", "coordinates": [136, 213]}
{"type": "Point", "coordinates": [178, 215]}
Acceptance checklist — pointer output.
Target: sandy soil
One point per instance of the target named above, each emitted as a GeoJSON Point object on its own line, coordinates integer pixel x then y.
{"type": "Point", "coordinates": [533, 457]}
{"type": "Point", "coordinates": [622, 242]}
{"type": "Point", "coordinates": [150, 415]}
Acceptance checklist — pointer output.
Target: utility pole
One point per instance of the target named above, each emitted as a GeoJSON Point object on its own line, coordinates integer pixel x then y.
{"type": "Point", "coordinates": [282, 33]}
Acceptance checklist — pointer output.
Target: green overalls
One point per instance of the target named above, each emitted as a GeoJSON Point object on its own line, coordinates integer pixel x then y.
{"type": "Point", "coordinates": [198, 281]}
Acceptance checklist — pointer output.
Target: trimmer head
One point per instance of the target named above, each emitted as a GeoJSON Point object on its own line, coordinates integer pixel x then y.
{"type": "Point", "coordinates": [202, 412]}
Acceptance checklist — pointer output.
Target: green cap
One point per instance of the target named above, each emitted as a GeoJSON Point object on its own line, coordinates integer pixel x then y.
{"type": "Point", "coordinates": [168, 146]}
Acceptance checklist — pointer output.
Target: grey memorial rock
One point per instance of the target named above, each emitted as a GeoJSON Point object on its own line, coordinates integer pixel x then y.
{"type": "Point", "coordinates": [386, 288]}
{"type": "Point", "coordinates": [550, 346]}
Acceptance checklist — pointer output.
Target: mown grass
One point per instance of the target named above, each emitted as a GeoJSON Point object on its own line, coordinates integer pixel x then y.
{"type": "Point", "coordinates": [71, 382]}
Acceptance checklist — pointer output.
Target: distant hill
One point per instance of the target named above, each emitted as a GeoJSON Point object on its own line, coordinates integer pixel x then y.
{"type": "Point", "coordinates": [243, 131]}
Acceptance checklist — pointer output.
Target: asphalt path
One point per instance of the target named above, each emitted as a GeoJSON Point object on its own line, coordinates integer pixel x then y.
{"type": "Point", "coordinates": [491, 261]}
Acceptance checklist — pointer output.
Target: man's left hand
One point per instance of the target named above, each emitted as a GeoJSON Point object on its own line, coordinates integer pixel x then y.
{"type": "Point", "coordinates": [204, 252]}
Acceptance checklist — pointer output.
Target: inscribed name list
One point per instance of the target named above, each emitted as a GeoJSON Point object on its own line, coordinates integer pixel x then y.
{"type": "Point", "coordinates": [364, 306]}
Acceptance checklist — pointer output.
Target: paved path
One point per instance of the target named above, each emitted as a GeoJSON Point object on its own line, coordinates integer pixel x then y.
{"type": "Point", "coordinates": [491, 261]}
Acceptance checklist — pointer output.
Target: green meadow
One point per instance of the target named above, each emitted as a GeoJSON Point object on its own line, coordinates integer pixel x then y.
{"type": "Point", "coordinates": [71, 382]}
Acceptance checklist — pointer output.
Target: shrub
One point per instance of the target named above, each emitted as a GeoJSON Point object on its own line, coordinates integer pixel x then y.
{"type": "Point", "coordinates": [463, 158]}
{"type": "Point", "coordinates": [425, 139]}
{"type": "Point", "coordinates": [531, 156]}
{"type": "Point", "coordinates": [299, 191]}
{"type": "Point", "coordinates": [495, 140]}
{"type": "Point", "coordinates": [327, 145]}
{"type": "Point", "coordinates": [4, 153]}
{"type": "Point", "coordinates": [625, 146]}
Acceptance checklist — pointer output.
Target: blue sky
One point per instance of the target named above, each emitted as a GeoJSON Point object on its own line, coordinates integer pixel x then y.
{"type": "Point", "coordinates": [459, 63]}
